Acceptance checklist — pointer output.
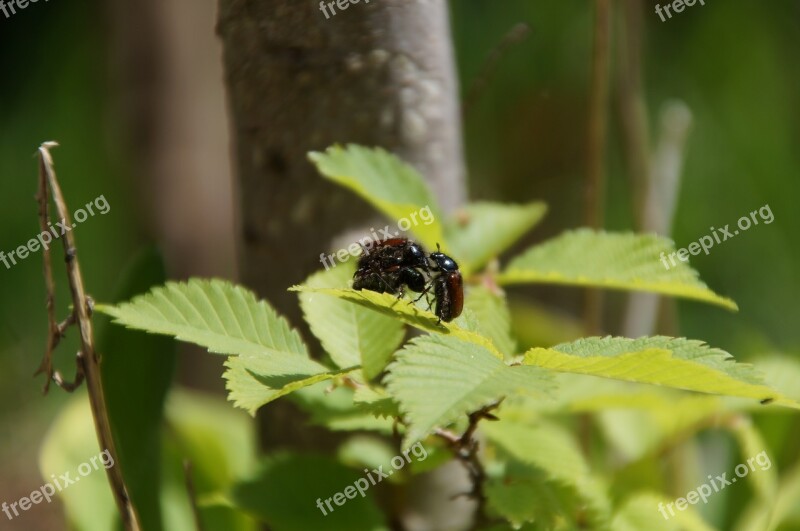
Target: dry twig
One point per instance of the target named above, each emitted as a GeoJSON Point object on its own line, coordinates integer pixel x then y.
{"type": "Point", "coordinates": [88, 366]}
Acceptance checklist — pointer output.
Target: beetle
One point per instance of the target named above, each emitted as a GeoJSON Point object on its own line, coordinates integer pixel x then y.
{"type": "Point", "coordinates": [448, 286]}
{"type": "Point", "coordinates": [390, 266]}
{"type": "Point", "coordinates": [393, 264]}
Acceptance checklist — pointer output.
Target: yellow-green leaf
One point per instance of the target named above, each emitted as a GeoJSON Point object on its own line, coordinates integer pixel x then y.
{"type": "Point", "coordinates": [437, 379]}
{"type": "Point", "coordinates": [614, 261]}
{"type": "Point", "coordinates": [351, 334]}
{"type": "Point", "coordinates": [253, 381]}
{"type": "Point", "coordinates": [492, 317]}
{"type": "Point", "coordinates": [407, 312]}
{"type": "Point", "coordinates": [386, 182]}
{"type": "Point", "coordinates": [643, 510]}
{"type": "Point", "coordinates": [215, 314]}
{"type": "Point", "coordinates": [481, 231]}
{"type": "Point", "coordinates": [671, 362]}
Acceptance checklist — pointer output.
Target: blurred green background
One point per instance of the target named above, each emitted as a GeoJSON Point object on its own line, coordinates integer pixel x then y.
{"type": "Point", "coordinates": [735, 64]}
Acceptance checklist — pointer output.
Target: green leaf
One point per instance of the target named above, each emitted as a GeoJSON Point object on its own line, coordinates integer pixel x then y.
{"type": "Point", "coordinates": [351, 334]}
{"type": "Point", "coordinates": [70, 442]}
{"type": "Point", "coordinates": [407, 312]}
{"type": "Point", "coordinates": [492, 317]}
{"type": "Point", "coordinates": [523, 494]}
{"type": "Point", "coordinates": [284, 494]}
{"type": "Point", "coordinates": [386, 182]}
{"type": "Point", "coordinates": [614, 261]}
{"type": "Point", "coordinates": [762, 475]}
{"type": "Point", "coordinates": [218, 441]}
{"type": "Point", "coordinates": [782, 372]}
{"type": "Point", "coordinates": [671, 362]}
{"type": "Point", "coordinates": [220, 444]}
{"type": "Point", "coordinates": [437, 379]}
{"type": "Point", "coordinates": [215, 314]}
{"type": "Point", "coordinates": [639, 424]}
{"type": "Point", "coordinates": [377, 401]}
{"type": "Point", "coordinates": [336, 410]}
{"type": "Point", "coordinates": [482, 230]}
{"type": "Point", "coordinates": [137, 370]}
{"type": "Point", "coordinates": [635, 419]}
{"type": "Point", "coordinates": [369, 451]}
{"type": "Point", "coordinates": [253, 381]}
{"type": "Point", "coordinates": [769, 514]}
{"type": "Point", "coordinates": [640, 511]}
{"type": "Point", "coordinates": [552, 450]}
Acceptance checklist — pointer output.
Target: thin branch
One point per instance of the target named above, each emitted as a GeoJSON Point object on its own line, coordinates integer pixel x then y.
{"type": "Point", "coordinates": [87, 362]}
{"type": "Point", "coordinates": [465, 447]}
{"type": "Point", "coordinates": [56, 330]}
{"type": "Point", "coordinates": [597, 141]}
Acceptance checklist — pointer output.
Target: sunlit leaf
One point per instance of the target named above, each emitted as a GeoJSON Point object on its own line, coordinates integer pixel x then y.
{"type": "Point", "coordinates": [481, 231]}
{"type": "Point", "coordinates": [492, 317]}
{"type": "Point", "coordinates": [407, 312]}
{"type": "Point", "coordinates": [215, 314]}
{"type": "Point", "coordinates": [386, 182]}
{"type": "Point", "coordinates": [437, 379]}
{"type": "Point", "coordinates": [671, 362]}
{"type": "Point", "coordinates": [351, 334]}
{"type": "Point", "coordinates": [614, 261]}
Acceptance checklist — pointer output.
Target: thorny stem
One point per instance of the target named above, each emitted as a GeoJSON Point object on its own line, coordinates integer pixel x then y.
{"type": "Point", "coordinates": [88, 366]}
{"type": "Point", "coordinates": [465, 447]}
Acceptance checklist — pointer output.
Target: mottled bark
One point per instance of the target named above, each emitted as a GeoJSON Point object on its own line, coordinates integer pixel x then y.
{"type": "Point", "coordinates": [378, 74]}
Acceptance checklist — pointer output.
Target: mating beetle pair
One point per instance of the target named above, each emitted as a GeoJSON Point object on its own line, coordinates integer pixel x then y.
{"type": "Point", "coordinates": [391, 265]}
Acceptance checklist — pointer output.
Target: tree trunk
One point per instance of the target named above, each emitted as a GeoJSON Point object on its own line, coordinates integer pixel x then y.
{"type": "Point", "coordinates": [379, 74]}
{"type": "Point", "coordinates": [298, 79]}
